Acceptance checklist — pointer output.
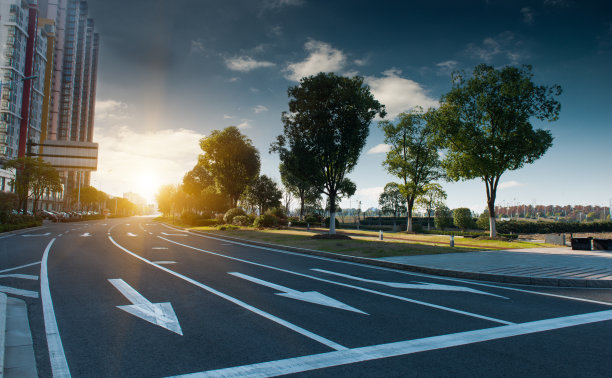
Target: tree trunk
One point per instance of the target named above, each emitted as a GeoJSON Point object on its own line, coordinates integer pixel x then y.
{"type": "Point", "coordinates": [491, 185]}
{"type": "Point", "coordinates": [409, 216]}
{"type": "Point", "coordinates": [332, 213]}
{"type": "Point", "coordinates": [301, 208]}
{"type": "Point", "coordinates": [492, 230]}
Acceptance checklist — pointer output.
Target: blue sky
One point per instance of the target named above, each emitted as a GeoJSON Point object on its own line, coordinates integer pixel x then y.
{"type": "Point", "coordinates": [170, 72]}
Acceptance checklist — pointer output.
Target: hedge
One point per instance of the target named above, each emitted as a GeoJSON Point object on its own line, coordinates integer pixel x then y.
{"type": "Point", "coordinates": [523, 227]}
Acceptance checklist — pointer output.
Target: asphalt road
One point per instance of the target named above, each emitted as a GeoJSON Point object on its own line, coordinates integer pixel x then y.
{"type": "Point", "coordinates": [130, 297]}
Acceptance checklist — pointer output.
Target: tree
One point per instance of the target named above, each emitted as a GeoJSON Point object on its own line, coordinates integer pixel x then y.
{"type": "Point", "coordinates": [231, 159]}
{"type": "Point", "coordinates": [263, 193]}
{"type": "Point", "coordinates": [33, 176]}
{"type": "Point", "coordinates": [433, 196]}
{"type": "Point", "coordinates": [166, 199]}
{"type": "Point", "coordinates": [328, 119]}
{"type": "Point", "coordinates": [483, 220]}
{"type": "Point", "coordinates": [302, 188]}
{"type": "Point", "coordinates": [413, 156]}
{"type": "Point", "coordinates": [484, 124]}
{"type": "Point", "coordinates": [391, 200]}
{"type": "Point", "coordinates": [462, 218]}
{"type": "Point", "coordinates": [443, 217]}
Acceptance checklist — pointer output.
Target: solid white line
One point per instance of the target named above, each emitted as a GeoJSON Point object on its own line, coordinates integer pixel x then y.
{"type": "Point", "coordinates": [22, 276]}
{"type": "Point", "coordinates": [238, 302]}
{"type": "Point", "coordinates": [347, 285]}
{"type": "Point", "coordinates": [21, 292]}
{"type": "Point", "coordinates": [19, 267]}
{"type": "Point", "coordinates": [59, 365]}
{"type": "Point", "coordinates": [164, 262]}
{"type": "Point", "coordinates": [390, 269]}
{"type": "Point", "coordinates": [330, 359]}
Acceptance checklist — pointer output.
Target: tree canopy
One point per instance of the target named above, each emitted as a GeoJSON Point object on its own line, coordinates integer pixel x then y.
{"type": "Point", "coordinates": [391, 200]}
{"type": "Point", "coordinates": [262, 193]}
{"type": "Point", "coordinates": [413, 156]}
{"type": "Point", "coordinates": [33, 177]}
{"type": "Point", "coordinates": [484, 123]}
{"type": "Point", "coordinates": [328, 122]}
{"type": "Point", "coordinates": [231, 159]}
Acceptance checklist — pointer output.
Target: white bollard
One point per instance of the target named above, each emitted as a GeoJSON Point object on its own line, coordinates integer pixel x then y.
{"type": "Point", "coordinates": [452, 240]}
{"type": "Point", "coordinates": [308, 226]}
{"type": "Point", "coordinates": [380, 235]}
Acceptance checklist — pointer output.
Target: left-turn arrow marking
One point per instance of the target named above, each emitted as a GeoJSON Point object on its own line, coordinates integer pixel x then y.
{"type": "Point", "coordinates": [160, 314]}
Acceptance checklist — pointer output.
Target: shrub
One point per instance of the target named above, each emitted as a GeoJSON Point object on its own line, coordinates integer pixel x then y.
{"type": "Point", "coordinates": [203, 222]}
{"type": "Point", "coordinates": [266, 220]}
{"type": "Point", "coordinates": [417, 227]}
{"type": "Point", "coordinates": [189, 217]}
{"type": "Point", "coordinates": [483, 220]}
{"type": "Point", "coordinates": [327, 220]}
{"type": "Point", "coordinates": [231, 213]}
{"type": "Point", "coordinates": [242, 220]}
{"type": "Point", "coordinates": [462, 218]}
{"type": "Point", "coordinates": [443, 218]}
{"type": "Point", "coordinates": [225, 227]}
{"type": "Point", "coordinates": [312, 219]}
{"type": "Point", "coordinates": [279, 214]}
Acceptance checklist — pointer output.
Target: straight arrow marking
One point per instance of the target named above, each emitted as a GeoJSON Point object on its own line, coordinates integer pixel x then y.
{"type": "Point", "coordinates": [418, 286]}
{"type": "Point", "coordinates": [160, 314]}
{"type": "Point", "coordinates": [306, 296]}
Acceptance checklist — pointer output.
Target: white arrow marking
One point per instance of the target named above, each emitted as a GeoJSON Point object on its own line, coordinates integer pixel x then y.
{"type": "Point", "coordinates": [14, 291]}
{"type": "Point", "coordinates": [306, 296]}
{"type": "Point", "coordinates": [30, 235]}
{"type": "Point", "coordinates": [418, 286]}
{"type": "Point", "coordinates": [163, 233]}
{"type": "Point", "coordinates": [86, 234]}
{"type": "Point", "coordinates": [160, 314]}
{"type": "Point", "coordinates": [22, 276]}
{"type": "Point", "coordinates": [130, 234]}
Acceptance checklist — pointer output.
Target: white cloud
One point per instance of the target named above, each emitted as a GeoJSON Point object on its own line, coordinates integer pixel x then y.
{"type": "Point", "coordinates": [360, 62]}
{"type": "Point", "coordinates": [509, 184]}
{"type": "Point", "coordinates": [111, 110]}
{"type": "Point", "coordinates": [446, 67]}
{"type": "Point", "coordinates": [196, 47]}
{"type": "Point", "coordinates": [245, 124]}
{"type": "Point", "coordinates": [227, 116]}
{"type": "Point", "coordinates": [275, 4]}
{"type": "Point", "coordinates": [127, 158]}
{"type": "Point", "coordinates": [322, 57]}
{"type": "Point", "coordinates": [260, 109]}
{"type": "Point", "coordinates": [246, 63]}
{"type": "Point", "coordinates": [368, 196]}
{"type": "Point", "coordinates": [397, 93]}
{"type": "Point", "coordinates": [527, 15]}
{"type": "Point", "coordinates": [379, 149]}
{"type": "Point", "coordinates": [504, 45]}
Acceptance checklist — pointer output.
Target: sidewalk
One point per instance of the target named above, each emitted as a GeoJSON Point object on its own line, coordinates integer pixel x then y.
{"type": "Point", "coordinates": [535, 266]}
{"type": "Point", "coordinates": [16, 347]}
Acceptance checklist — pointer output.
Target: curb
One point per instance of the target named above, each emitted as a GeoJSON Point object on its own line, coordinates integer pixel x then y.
{"type": "Point", "coordinates": [521, 280]}
{"type": "Point", "coordinates": [3, 307]}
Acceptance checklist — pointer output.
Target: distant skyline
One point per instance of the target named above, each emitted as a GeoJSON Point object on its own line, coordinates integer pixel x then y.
{"type": "Point", "coordinates": [172, 71]}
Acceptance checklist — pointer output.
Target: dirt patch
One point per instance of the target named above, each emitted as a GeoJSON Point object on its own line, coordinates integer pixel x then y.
{"type": "Point", "coordinates": [331, 237]}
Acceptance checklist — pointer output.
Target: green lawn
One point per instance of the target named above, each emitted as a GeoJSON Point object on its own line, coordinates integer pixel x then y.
{"type": "Point", "coordinates": [366, 243]}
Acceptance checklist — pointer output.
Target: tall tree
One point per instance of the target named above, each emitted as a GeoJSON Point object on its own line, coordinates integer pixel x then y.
{"type": "Point", "coordinates": [166, 199]}
{"type": "Point", "coordinates": [329, 118]}
{"type": "Point", "coordinates": [231, 159]}
{"type": "Point", "coordinates": [413, 156]}
{"type": "Point", "coordinates": [33, 177]}
{"type": "Point", "coordinates": [391, 200]}
{"type": "Point", "coordinates": [433, 196]}
{"type": "Point", "coordinates": [300, 187]}
{"type": "Point", "coordinates": [484, 123]}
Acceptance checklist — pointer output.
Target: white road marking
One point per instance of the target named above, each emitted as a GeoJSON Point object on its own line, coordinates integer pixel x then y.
{"type": "Point", "coordinates": [22, 276]}
{"type": "Point", "coordinates": [401, 348]}
{"type": "Point", "coordinates": [6, 236]}
{"type": "Point", "coordinates": [127, 224]}
{"type": "Point", "coordinates": [59, 365]}
{"type": "Point", "coordinates": [160, 314]}
{"type": "Point", "coordinates": [130, 234]}
{"type": "Point", "coordinates": [306, 296]}
{"type": "Point", "coordinates": [87, 234]}
{"type": "Point", "coordinates": [159, 248]}
{"type": "Point", "coordinates": [21, 292]}
{"type": "Point", "coordinates": [19, 267]}
{"type": "Point", "coordinates": [238, 302]}
{"type": "Point", "coordinates": [163, 233]}
{"type": "Point", "coordinates": [164, 262]}
{"type": "Point", "coordinates": [34, 235]}
{"type": "Point", "coordinates": [347, 285]}
{"type": "Point", "coordinates": [103, 224]}
{"type": "Point", "coordinates": [418, 286]}
{"type": "Point", "coordinates": [389, 269]}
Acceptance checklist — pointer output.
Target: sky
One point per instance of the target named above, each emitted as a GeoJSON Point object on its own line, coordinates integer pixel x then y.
{"type": "Point", "coordinates": [172, 71]}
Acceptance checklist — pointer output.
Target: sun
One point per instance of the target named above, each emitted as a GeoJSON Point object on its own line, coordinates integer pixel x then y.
{"type": "Point", "coordinates": [147, 184]}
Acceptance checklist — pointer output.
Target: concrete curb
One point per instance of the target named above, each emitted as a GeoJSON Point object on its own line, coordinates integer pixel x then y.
{"type": "Point", "coordinates": [522, 280]}
{"type": "Point", "coordinates": [3, 308]}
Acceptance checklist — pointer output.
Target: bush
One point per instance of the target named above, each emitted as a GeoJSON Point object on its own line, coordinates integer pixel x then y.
{"type": "Point", "coordinates": [203, 222]}
{"type": "Point", "coordinates": [312, 219]}
{"type": "Point", "coordinates": [266, 220]}
{"type": "Point", "coordinates": [279, 214]}
{"type": "Point", "coordinates": [242, 220]}
{"type": "Point", "coordinates": [483, 220]}
{"type": "Point", "coordinates": [417, 227]}
{"type": "Point", "coordinates": [231, 213]}
{"type": "Point", "coordinates": [327, 220]}
{"type": "Point", "coordinates": [189, 217]}
{"type": "Point", "coordinates": [462, 218]}
{"type": "Point", "coordinates": [225, 227]}
{"type": "Point", "coordinates": [523, 227]}
{"type": "Point", "coordinates": [443, 218]}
